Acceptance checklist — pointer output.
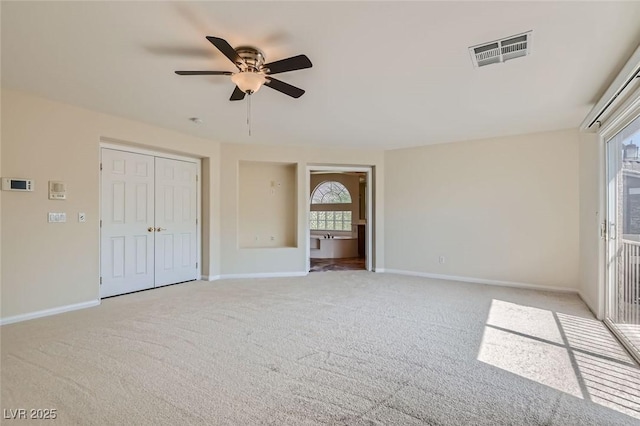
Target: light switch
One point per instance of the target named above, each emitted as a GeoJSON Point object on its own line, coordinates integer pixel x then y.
{"type": "Point", "coordinates": [57, 217]}
{"type": "Point", "coordinates": [82, 217]}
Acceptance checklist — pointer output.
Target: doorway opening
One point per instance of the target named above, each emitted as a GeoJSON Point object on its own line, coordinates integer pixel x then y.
{"type": "Point", "coordinates": [339, 218]}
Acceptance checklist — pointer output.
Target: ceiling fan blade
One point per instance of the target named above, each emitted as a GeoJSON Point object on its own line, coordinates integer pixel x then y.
{"type": "Point", "coordinates": [237, 95]}
{"type": "Point", "coordinates": [290, 64]}
{"type": "Point", "coordinates": [281, 86]}
{"type": "Point", "coordinates": [227, 50]}
{"type": "Point", "coordinates": [204, 73]}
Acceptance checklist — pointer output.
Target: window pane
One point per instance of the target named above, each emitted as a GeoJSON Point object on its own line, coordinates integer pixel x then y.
{"type": "Point", "coordinates": [330, 193]}
{"type": "Point", "coordinates": [330, 220]}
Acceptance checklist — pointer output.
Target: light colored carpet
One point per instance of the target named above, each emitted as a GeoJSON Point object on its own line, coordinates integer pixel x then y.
{"type": "Point", "coordinates": [331, 348]}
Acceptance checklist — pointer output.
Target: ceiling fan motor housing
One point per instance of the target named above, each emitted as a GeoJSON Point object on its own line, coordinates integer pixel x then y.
{"type": "Point", "coordinates": [254, 58]}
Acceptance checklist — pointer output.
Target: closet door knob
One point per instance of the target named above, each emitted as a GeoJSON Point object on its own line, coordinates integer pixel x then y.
{"type": "Point", "coordinates": [158, 229]}
{"type": "Point", "coordinates": [150, 229]}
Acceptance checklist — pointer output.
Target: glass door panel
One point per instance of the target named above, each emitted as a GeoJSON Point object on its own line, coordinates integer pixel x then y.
{"type": "Point", "coordinates": [622, 304]}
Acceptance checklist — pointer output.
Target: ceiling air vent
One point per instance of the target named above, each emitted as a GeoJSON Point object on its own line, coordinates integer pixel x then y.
{"type": "Point", "coordinates": [501, 50]}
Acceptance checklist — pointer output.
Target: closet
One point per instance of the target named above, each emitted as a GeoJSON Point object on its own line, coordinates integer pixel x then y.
{"type": "Point", "coordinates": [148, 226]}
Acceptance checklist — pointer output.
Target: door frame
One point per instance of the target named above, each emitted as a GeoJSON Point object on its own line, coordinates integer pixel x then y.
{"type": "Point", "coordinates": [368, 170]}
{"type": "Point", "coordinates": [105, 143]}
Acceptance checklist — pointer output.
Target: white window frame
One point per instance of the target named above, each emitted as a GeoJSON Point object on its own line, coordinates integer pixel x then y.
{"type": "Point", "coordinates": [330, 182]}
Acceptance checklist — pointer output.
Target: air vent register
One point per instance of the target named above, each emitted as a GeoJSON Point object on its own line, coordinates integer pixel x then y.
{"type": "Point", "coordinates": [499, 51]}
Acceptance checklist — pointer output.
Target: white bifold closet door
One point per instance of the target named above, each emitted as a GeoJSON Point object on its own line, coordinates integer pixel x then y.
{"type": "Point", "coordinates": [175, 212]}
{"type": "Point", "coordinates": [149, 228]}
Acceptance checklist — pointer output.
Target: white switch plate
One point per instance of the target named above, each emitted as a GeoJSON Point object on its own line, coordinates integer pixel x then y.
{"type": "Point", "coordinates": [82, 217]}
{"type": "Point", "coordinates": [57, 217]}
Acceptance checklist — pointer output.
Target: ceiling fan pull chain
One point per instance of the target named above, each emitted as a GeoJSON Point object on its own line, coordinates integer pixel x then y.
{"type": "Point", "coordinates": [249, 113]}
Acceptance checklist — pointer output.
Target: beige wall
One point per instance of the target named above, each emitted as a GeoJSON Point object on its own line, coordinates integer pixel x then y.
{"type": "Point", "coordinates": [236, 260]}
{"type": "Point", "coordinates": [52, 265]}
{"type": "Point", "coordinates": [502, 209]}
{"type": "Point", "coordinates": [268, 208]}
{"type": "Point", "coordinates": [591, 215]}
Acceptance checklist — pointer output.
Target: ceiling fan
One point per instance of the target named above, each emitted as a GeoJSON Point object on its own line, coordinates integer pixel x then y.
{"type": "Point", "coordinates": [252, 72]}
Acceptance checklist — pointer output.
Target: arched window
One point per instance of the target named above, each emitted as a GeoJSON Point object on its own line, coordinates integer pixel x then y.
{"type": "Point", "coordinates": [331, 192]}
{"type": "Point", "coordinates": [331, 218]}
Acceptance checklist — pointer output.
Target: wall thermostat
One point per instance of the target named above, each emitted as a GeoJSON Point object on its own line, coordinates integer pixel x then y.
{"type": "Point", "coordinates": [57, 190]}
{"type": "Point", "coordinates": [17, 184]}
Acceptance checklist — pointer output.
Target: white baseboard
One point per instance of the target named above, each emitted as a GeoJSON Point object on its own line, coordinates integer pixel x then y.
{"type": "Point", "coordinates": [48, 312]}
{"type": "Point", "coordinates": [210, 277]}
{"type": "Point", "coordinates": [592, 306]}
{"type": "Point", "coordinates": [265, 275]}
{"type": "Point", "coordinates": [379, 270]}
{"type": "Point", "coordinates": [481, 281]}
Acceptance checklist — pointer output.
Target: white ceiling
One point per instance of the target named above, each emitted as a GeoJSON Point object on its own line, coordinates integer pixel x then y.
{"type": "Point", "coordinates": [385, 74]}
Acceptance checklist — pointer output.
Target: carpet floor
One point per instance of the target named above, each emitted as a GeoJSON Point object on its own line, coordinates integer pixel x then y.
{"type": "Point", "coordinates": [344, 348]}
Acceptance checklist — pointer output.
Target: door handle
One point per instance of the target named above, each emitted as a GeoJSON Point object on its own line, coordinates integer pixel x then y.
{"type": "Point", "coordinates": [150, 229]}
{"type": "Point", "coordinates": [158, 229]}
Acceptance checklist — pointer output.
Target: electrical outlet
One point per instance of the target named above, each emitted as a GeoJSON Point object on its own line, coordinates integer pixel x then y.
{"type": "Point", "coordinates": [441, 259]}
{"type": "Point", "coordinates": [273, 238]}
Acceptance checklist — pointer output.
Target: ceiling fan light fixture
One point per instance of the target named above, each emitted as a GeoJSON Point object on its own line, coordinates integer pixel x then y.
{"type": "Point", "coordinates": [249, 81]}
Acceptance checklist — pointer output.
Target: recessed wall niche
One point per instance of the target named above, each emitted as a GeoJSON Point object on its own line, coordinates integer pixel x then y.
{"type": "Point", "coordinates": [267, 205]}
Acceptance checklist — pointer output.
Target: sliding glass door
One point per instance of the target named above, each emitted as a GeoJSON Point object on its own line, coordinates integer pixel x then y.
{"type": "Point", "coordinates": [622, 302]}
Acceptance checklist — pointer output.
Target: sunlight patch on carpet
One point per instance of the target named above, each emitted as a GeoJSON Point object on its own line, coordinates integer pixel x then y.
{"type": "Point", "coordinates": [577, 356]}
